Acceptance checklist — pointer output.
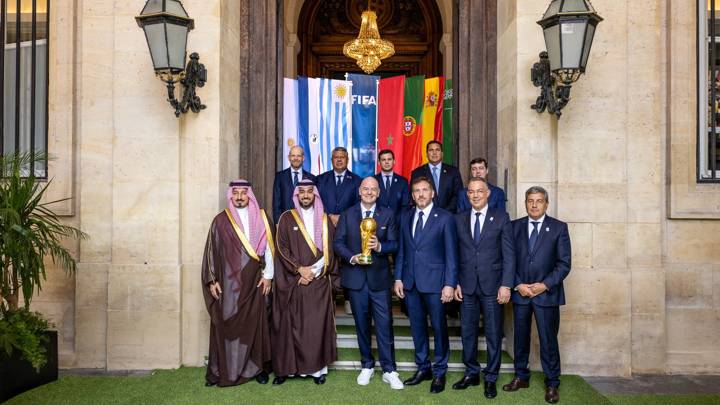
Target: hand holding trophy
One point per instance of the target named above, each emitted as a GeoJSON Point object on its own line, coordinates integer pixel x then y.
{"type": "Point", "coordinates": [368, 226]}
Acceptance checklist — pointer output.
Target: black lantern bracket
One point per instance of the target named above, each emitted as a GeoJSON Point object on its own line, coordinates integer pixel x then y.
{"type": "Point", "coordinates": [194, 76]}
{"type": "Point", "coordinates": [553, 96]}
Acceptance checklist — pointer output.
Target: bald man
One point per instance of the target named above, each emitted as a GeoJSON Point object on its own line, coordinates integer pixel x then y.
{"type": "Point", "coordinates": [286, 180]}
{"type": "Point", "coordinates": [368, 286]}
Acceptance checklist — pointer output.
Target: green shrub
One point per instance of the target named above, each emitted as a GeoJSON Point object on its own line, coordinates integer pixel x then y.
{"type": "Point", "coordinates": [23, 330]}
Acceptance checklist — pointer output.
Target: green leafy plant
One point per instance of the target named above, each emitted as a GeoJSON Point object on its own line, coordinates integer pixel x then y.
{"type": "Point", "coordinates": [30, 232]}
{"type": "Point", "coordinates": [23, 330]}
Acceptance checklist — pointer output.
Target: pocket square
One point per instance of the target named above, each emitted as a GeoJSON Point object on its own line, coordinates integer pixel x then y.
{"type": "Point", "coordinates": [295, 228]}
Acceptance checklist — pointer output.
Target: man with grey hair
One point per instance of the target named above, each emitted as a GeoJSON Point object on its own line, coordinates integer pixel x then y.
{"type": "Point", "coordinates": [286, 181]}
{"type": "Point", "coordinates": [542, 257]}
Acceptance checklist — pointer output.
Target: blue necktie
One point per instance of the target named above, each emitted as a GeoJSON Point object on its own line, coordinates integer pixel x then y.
{"type": "Point", "coordinates": [436, 179]}
{"type": "Point", "coordinates": [476, 230]}
{"type": "Point", "coordinates": [367, 214]}
{"type": "Point", "coordinates": [387, 182]}
{"type": "Point", "coordinates": [295, 179]}
{"type": "Point", "coordinates": [418, 226]}
{"type": "Point", "coordinates": [339, 180]}
{"type": "Point", "coordinates": [533, 235]}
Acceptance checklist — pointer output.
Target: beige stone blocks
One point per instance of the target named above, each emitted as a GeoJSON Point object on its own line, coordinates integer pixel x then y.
{"type": "Point", "coordinates": [693, 241]}
{"type": "Point", "coordinates": [595, 344]}
{"type": "Point", "coordinates": [693, 340]}
{"type": "Point", "coordinates": [597, 203]}
{"type": "Point", "coordinates": [143, 340]}
{"type": "Point", "coordinates": [689, 285]}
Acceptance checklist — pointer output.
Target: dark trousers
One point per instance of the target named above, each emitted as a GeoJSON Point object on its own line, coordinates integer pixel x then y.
{"type": "Point", "coordinates": [548, 324]}
{"type": "Point", "coordinates": [472, 306]}
{"type": "Point", "coordinates": [365, 303]}
{"type": "Point", "coordinates": [420, 305]}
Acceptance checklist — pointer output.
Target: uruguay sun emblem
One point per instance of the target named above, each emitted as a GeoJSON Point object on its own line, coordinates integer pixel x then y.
{"type": "Point", "coordinates": [409, 125]}
{"type": "Point", "coordinates": [340, 91]}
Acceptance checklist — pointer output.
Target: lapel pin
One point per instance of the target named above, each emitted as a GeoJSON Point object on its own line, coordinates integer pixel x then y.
{"type": "Point", "coordinates": [435, 215]}
{"type": "Point", "coordinates": [295, 228]}
{"type": "Point", "coordinates": [491, 219]}
{"type": "Point", "coordinates": [547, 229]}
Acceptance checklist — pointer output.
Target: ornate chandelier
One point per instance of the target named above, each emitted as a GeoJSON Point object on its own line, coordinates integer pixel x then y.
{"type": "Point", "coordinates": [368, 49]}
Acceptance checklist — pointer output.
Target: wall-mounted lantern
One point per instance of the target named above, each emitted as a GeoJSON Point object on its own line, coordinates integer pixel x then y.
{"type": "Point", "coordinates": [569, 28]}
{"type": "Point", "coordinates": [166, 25]}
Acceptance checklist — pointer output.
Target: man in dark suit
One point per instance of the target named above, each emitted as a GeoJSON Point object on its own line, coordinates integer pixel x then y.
{"type": "Point", "coordinates": [368, 286]}
{"type": "Point", "coordinates": [448, 177]}
{"type": "Point", "coordinates": [486, 275]}
{"type": "Point", "coordinates": [426, 276]}
{"type": "Point", "coordinates": [479, 168]}
{"type": "Point", "coordinates": [286, 181]}
{"type": "Point", "coordinates": [339, 186]}
{"type": "Point", "coordinates": [542, 257]}
{"type": "Point", "coordinates": [394, 190]}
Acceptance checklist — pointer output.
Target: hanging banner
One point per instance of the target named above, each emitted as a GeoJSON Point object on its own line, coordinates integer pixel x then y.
{"type": "Point", "coordinates": [364, 109]}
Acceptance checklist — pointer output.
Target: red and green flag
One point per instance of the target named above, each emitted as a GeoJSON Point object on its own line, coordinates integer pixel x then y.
{"type": "Point", "coordinates": [448, 140]}
{"type": "Point", "coordinates": [391, 96]}
{"type": "Point", "coordinates": [412, 124]}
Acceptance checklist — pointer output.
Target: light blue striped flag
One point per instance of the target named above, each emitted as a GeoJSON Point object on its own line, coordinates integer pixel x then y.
{"type": "Point", "coordinates": [330, 121]}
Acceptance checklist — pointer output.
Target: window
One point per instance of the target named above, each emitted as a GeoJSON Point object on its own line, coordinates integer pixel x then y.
{"type": "Point", "coordinates": [24, 78]}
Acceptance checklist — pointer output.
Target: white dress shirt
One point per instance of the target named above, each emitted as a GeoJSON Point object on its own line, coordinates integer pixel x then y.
{"type": "Point", "coordinates": [473, 218]}
{"type": "Point", "coordinates": [426, 216]}
{"type": "Point", "coordinates": [269, 270]}
{"type": "Point", "coordinates": [308, 218]}
{"type": "Point", "coordinates": [539, 225]}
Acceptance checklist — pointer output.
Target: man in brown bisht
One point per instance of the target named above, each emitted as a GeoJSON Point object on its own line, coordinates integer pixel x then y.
{"type": "Point", "coordinates": [237, 273]}
{"type": "Point", "coordinates": [303, 326]}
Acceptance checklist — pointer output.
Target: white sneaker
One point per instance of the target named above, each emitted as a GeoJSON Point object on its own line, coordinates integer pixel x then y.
{"type": "Point", "coordinates": [348, 308]}
{"type": "Point", "coordinates": [365, 376]}
{"type": "Point", "coordinates": [393, 379]}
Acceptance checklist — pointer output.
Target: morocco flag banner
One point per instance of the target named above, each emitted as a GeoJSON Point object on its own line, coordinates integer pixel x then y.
{"type": "Point", "coordinates": [432, 113]}
{"type": "Point", "coordinates": [391, 96]}
{"type": "Point", "coordinates": [412, 124]}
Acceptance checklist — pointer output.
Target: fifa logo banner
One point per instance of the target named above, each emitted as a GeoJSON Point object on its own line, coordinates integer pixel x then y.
{"type": "Point", "coordinates": [365, 114]}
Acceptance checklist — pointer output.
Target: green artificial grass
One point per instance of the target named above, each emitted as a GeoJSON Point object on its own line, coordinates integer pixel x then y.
{"type": "Point", "coordinates": [408, 355]}
{"type": "Point", "coordinates": [186, 386]}
{"type": "Point", "coordinates": [664, 399]}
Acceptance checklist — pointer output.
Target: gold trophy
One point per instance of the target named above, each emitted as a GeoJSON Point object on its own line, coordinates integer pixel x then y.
{"type": "Point", "coordinates": [368, 226]}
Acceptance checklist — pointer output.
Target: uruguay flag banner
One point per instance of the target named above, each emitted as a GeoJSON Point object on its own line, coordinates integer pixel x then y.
{"type": "Point", "coordinates": [330, 125]}
{"type": "Point", "coordinates": [364, 110]}
{"type": "Point", "coordinates": [290, 118]}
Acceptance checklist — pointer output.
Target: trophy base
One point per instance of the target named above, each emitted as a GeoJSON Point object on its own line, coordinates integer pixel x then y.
{"type": "Point", "coordinates": [365, 260]}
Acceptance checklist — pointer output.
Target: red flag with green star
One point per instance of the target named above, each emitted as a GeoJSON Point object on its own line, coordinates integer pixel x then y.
{"type": "Point", "coordinates": [391, 104]}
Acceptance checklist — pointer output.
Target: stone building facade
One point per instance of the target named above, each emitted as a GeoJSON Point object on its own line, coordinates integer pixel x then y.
{"type": "Point", "coordinates": [644, 292]}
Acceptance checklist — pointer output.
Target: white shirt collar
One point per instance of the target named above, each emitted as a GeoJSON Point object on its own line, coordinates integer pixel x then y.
{"type": "Point", "coordinates": [438, 165]}
{"type": "Point", "coordinates": [425, 211]}
{"type": "Point", "coordinates": [363, 210]}
{"type": "Point", "coordinates": [539, 221]}
{"type": "Point", "coordinates": [483, 211]}
{"type": "Point", "coordinates": [339, 174]}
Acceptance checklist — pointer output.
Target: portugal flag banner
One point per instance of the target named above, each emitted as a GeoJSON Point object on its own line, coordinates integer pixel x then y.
{"type": "Point", "coordinates": [391, 96]}
{"type": "Point", "coordinates": [412, 124]}
{"type": "Point", "coordinates": [432, 114]}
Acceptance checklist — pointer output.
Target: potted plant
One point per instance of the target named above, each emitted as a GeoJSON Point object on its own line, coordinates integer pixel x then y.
{"type": "Point", "coordinates": [30, 233]}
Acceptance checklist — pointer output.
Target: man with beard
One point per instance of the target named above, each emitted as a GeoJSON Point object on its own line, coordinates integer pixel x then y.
{"type": "Point", "coordinates": [426, 276]}
{"type": "Point", "coordinates": [303, 312]}
{"type": "Point", "coordinates": [237, 273]}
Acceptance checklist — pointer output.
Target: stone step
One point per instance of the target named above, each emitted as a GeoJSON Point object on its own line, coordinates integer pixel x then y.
{"type": "Point", "coordinates": [341, 318]}
{"type": "Point", "coordinates": [346, 337]}
{"type": "Point", "coordinates": [349, 359]}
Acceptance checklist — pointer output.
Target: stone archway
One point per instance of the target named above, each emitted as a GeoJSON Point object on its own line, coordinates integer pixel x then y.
{"type": "Point", "coordinates": [414, 26]}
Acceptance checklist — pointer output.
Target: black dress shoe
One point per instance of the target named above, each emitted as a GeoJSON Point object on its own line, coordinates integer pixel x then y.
{"type": "Point", "coordinates": [515, 385]}
{"type": "Point", "coordinates": [490, 389]}
{"type": "Point", "coordinates": [438, 385]}
{"type": "Point", "coordinates": [466, 381]}
{"type": "Point", "coordinates": [552, 395]}
{"type": "Point", "coordinates": [319, 380]}
{"type": "Point", "coordinates": [419, 377]}
{"type": "Point", "coordinates": [262, 378]}
{"type": "Point", "coordinates": [279, 380]}
{"type": "Point", "coordinates": [210, 384]}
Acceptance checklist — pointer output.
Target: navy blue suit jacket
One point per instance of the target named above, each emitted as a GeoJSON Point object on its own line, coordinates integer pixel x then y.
{"type": "Point", "coordinates": [496, 200]}
{"type": "Point", "coordinates": [283, 191]}
{"type": "Point", "coordinates": [430, 263]}
{"type": "Point", "coordinates": [548, 263]}
{"type": "Point", "coordinates": [338, 199]}
{"type": "Point", "coordinates": [490, 263]}
{"type": "Point", "coordinates": [397, 198]}
{"type": "Point", "coordinates": [450, 185]}
{"type": "Point", "coordinates": [348, 243]}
